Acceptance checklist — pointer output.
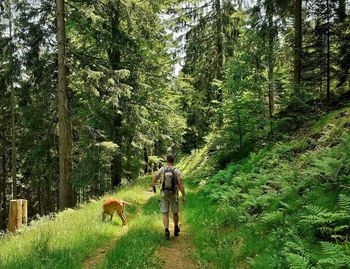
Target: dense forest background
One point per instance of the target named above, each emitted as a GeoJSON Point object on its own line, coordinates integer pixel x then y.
{"type": "Point", "coordinates": [251, 73]}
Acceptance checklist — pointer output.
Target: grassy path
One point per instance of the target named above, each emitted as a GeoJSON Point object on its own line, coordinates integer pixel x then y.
{"type": "Point", "coordinates": [100, 253]}
{"type": "Point", "coordinates": [177, 253]}
{"type": "Point", "coordinates": [78, 239]}
{"type": "Point", "coordinates": [144, 245]}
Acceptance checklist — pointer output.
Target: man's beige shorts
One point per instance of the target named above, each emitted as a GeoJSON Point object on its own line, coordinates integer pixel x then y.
{"type": "Point", "coordinates": [169, 201]}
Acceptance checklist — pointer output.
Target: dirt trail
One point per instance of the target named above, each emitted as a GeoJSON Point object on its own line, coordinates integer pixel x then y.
{"type": "Point", "coordinates": [100, 253]}
{"type": "Point", "coordinates": [174, 255]}
{"type": "Point", "coordinates": [177, 253]}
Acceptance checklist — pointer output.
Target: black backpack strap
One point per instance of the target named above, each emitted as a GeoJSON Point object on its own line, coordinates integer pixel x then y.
{"type": "Point", "coordinates": [173, 179]}
{"type": "Point", "coordinates": [163, 181]}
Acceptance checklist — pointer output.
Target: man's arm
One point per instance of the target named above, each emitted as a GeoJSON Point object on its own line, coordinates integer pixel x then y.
{"type": "Point", "coordinates": [181, 188]}
{"type": "Point", "coordinates": [154, 181]}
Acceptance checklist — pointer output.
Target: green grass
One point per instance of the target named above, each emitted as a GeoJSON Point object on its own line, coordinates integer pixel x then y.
{"type": "Point", "coordinates": [215, 241]}
{"type": "Point", "coordinates": [73, 235]}
{"type": "Point", "coordinates": [135, 250]}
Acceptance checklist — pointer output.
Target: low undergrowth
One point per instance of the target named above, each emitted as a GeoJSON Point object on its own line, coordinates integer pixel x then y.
{"type": "Point", "coordinates": [285, 206]}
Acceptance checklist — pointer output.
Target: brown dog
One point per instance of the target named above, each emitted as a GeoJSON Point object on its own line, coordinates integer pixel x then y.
{"type": "Point", "coordinates": [110, 205]}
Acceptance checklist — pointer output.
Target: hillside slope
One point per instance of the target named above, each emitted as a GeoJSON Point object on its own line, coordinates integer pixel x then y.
{"type": "Point", "coordinates": [285, 206]}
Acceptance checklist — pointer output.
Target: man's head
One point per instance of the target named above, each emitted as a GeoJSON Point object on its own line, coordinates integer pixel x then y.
{"type": "Point", "coordinates": [170, 159]}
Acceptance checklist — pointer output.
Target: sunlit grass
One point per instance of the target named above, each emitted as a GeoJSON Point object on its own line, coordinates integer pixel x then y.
{"type": "Point", "coordinates": [215, 243]}
{"type": "Point", "coordinates": [68, 239]}
{"type": "Point", "coordinates": [136, 249]}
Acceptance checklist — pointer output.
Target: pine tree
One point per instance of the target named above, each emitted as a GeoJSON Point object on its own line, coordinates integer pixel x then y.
{"type": "Point", "coordinates": [65, 131]}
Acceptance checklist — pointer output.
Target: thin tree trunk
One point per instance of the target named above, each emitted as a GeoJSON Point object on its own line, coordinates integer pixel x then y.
{"type": "Point", "coordinates": [343, 35]}
{"type": "Point", "coordinates": [13, 107]}
{"type": "Point", "coordinates": [48, 204]}
{"type": "Point", "coordinates": [145, 158]}
{"type": "Point", "coordinates": [328, 54]}
{"type": "Point", "coordinates": [239, 124]}
{"type": "Point", "coordinates": [297, 45]}
{"type": "Point", "coordinates": [1, 199]}
{"type": "Point", "coordinates": [40, 200]}
{"type": "Point", "coordinates": [342, 10]}
{"type": "Point", "coordinates": [114, 58]}
{"type": "Point", "coordinates": [116, 165]}
{"type": "Point", "coordinates": [219, 46]}
{"type": "Point", "coordinates": [5, 185]}
{"type": "Point", "coordinates": [65, 136]}
{"type": "Point", "coordinates": [271, 62]}
{"type": "Point", "coordinates": [3, 192]}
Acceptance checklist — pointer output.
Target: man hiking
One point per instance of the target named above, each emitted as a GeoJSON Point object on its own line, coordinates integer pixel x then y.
{"type": "Point", "coordinates": [170, 185]}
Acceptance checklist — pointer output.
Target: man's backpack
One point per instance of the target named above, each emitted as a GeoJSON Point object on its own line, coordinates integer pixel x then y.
{"type": "Point", "coordinates": [169, 182]}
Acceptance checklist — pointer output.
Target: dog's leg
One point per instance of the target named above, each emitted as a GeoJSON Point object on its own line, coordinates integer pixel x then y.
{"type": "Point", "coordinates": [124, 219]}
{"type": "Point", "coordinates": [103, 216]}
{"type": "Point", "coordinates": [121, 217]}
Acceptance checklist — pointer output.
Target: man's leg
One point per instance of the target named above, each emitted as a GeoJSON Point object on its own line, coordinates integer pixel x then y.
{"type": "Point", "coordinates": [166, 220]}
{"type": "Point", "coordinates": [176, 224]}
{"type": "Point", "coordinates": [166, 225]}
{"type": "Point", "coordinates": [164, 209]}
{"type": "Point", "coordinates": [176, 219]}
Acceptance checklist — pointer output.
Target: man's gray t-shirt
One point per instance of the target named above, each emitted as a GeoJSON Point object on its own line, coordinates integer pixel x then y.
{"type": "Point", "coordinates": [160, 173]}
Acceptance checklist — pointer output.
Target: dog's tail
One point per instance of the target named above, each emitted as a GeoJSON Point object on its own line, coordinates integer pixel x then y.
{"type": "Point", "coordinates": [126, 203]}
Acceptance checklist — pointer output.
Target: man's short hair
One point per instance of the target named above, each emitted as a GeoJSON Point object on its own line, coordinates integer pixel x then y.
{"type": "Point", "coordinates": [170, 158]}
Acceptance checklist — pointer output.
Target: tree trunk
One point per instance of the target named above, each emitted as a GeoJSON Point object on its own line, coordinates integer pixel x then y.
{"type": "Point", "coordinates": [49, 199]}
{"type": "Point", "coordinates": [271, 83]}
{"type": "Point", "coordinates": [116, 166]}
{"type": "Point", "coordinates": [1, 199]}
{"type": "Point", "coordinates": [3, 192]}
{"type": "Point", "coordinates": [297, 45]}
{"type": "Point", "coordinates": [65, 131]}
{"type": "Point", "coordinates": [219, 46]}
{"type": "Point", "coordinates": [343, 35]}
{"type": "Point", "coordinates": [328, 54]}
{"type": "Point", "coordinates": [240, 129]}
{"type": "Point", "coordinates": [114, 58]}
{"type": "Point", "coordinates": [145, 158]}
{"type": "Point", "coordinates": [342, 10]}
{"type": "Point", "coordinates": [13, 107]}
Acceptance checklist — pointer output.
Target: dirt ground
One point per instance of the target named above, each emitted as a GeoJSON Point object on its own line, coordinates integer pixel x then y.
{"type": "Point", "coordinates": [177, 253]}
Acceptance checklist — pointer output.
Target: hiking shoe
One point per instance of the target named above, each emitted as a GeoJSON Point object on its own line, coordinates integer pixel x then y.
{"type": "Point", "coordinates": [167, 235]}
{"type": "Point", "coordinates": [176, 231]}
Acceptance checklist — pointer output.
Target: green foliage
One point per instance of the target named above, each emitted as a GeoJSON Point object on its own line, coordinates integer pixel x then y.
{"type": "Point", "coordinates": [288, 204]}
{"type": "Point", "coordinates": [337, 255]}
{"type": "Point", "coordinates": [296, 261]}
